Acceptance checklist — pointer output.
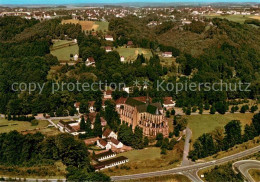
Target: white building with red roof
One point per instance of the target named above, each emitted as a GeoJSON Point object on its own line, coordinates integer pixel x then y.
{"type": "Point", "coordinates": [109, 38]}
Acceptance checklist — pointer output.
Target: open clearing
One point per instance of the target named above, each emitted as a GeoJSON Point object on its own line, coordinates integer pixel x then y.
{"type": "Point", "coordinates": [200, 124]}
{"type": "Point", "coordinates": [63, 53]}
{"type": "Point", "coordinates": [147, 160]}
{"type": "Point", "coordinates": [131, 54]}
{"type": "Point", "coordinates": [235, 18]}
{"type": "Point", "coordinates": [88, 25]}
{"type": "Point", "coordinates": [19, 125]}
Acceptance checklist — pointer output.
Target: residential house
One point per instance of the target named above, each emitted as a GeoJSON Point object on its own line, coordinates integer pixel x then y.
{"type": "Point", "coordinates": [167, 54]}
{"type": "Point", "coordinates": [90, 62]}
{"type": "Point", "coordinates": [103, 144]}
{"type": "Point", "coordinates": [122, 58]}
{"type": "Point", "coordinates": [109, 134]}
{"type": "Point", "coordinates": [168, 102]}
{"type": "Point", "coordinates": [76, 57]}
{"type": "Point", "coordinates": [108, 94]}
{"type": "Point", "coordinates": [108, 49]}
{"type": "Point", "coordinates": [109, 38]}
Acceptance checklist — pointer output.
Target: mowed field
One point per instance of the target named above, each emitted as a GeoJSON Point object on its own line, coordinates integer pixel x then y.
{"type": "Point", "coordinates": [131, 54]}
{"type": "Point", "coordinates": [88, 25]}
{"type": "Point", "coordinates": [19, 125]}
{"type": "Point", "coordinates": [235, 18]}
{"type": "Point", "coordinates": [200, 124]}
{"type": "Point", "coordinates": [63, 53]}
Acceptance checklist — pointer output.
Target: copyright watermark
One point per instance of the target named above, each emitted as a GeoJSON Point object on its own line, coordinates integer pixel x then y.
{"type": "Point", "coordinates": [158, 85]}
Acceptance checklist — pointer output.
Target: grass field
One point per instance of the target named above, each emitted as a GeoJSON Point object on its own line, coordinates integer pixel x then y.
{"type": "Point", "coordinates": [20, 125]}
{"type": "Point", "coordinates": [63, 54]}
{"type": "Point", "coordinates": [168, 62]}
{"type": "Point", "coordinates": [200, 124]}
{"type": "Point", "coordinates": [147, 160]}
{"type": "Point", "coordinates": [88, 25]}
{"type": "Point", "coordinates": [235, 18]}
{"type": "Point", "coordinates": [255, 173]}
{"type": "Point", "coordinates": [102, 25]}
{"type": "Point", "coordinates": [131, 54]}
{"type": "Point", "coordinates": [166, 178]}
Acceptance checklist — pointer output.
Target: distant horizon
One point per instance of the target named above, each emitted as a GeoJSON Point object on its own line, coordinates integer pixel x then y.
{"type": "Point", "coordinates": [70, 2]}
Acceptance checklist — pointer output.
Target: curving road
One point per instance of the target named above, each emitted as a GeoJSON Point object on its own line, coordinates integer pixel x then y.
{"type": "Point", "coordinates": [244, 166]}
{"type": "Point", "coordinates": [191, 169]}
{"type": "Point", "coordinates": [185, 159]}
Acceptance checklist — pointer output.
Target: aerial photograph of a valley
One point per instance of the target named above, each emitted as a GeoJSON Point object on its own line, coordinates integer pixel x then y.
{"type": "Point", "coordinates": [130, 90]}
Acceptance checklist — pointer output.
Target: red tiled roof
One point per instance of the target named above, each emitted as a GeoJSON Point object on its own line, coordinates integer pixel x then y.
{"type": "Point", "coordinates": [91, 103]}
{"type": "Point", "coordinates": [77, 104]}
{"type": "Point", "coordinates": [168, 53]}
{"type": "Point", "coordinates": [76, 127]}
{"type": "Point", "coordinates": [130, 43]}
{"type": "Point", "coordinates": [91, 141]}
{"type": "Point", "coordinates": [114, 141]}
{"type": "Point", "coordinates": [142, 99]}
{"type": "Point", "coordinates": [108, 92]}
{"type": "Point", "coordinates": [109, 36]}
{"type": "Point", "coordinates": [107, 132]}
{"type": "Point", "coordinates": [103, 121]}
{"type": "Point", "coordinates": [108, 48]}
{"type": "Point", "coordinates": [91, 116]}
{"type": "Point", "coordinates": [91, 59]}
{"type": "Point", "coordinates": [167, 100]}
{"type": "Point", "coordinates": [102, 142]}
{"type": "Point", "coordinates": [121, 100]}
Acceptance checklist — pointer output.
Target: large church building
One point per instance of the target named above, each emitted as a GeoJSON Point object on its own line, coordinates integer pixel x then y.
{"type": "Point", "coordinates": [139, 111]}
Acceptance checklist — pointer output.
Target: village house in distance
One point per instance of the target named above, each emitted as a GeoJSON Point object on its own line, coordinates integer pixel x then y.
{"type": "Point", "coordinates": [139, 111]}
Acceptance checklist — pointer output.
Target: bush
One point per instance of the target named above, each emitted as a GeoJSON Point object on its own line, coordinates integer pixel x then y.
{"type": "Point", "coordinates": [34, 122]}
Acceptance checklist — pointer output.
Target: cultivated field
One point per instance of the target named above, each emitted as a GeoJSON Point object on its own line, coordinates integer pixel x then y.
{"type": "Point", "coordinates": [131, 54]}
{"type": "Point", "coordinates": [19, 125]}
{"type": "Point", "coordinates": [235, 18]}
{"type": "Point", "coordinates": [200, 124]}
{"type": "Point", "coordinates": [63, 48]}
{"type": "Point", "coordinates": [88, 25]}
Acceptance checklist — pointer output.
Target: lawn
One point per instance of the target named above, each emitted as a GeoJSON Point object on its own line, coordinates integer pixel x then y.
{"type": "Point", "coordinates": [63, 54]}
{"type": "Point", "coordinates": [147, 160]}
{"type": "Point", "coordinates": [131, 54]}
{"type": "Point", "coordinates": [236, 18]}
{"type": "Point", "coordinates": [166, 178]}
{"type": "Point", "coordinates": [20, 125]}
{"type": "Point", "coordinates": [102, 25]}
{"type": "Point", "coordinates": [200, 124]}
{"type": "Point", "coordinates": [255, 173]}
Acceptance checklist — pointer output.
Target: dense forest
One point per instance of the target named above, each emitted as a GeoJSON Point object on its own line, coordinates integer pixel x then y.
{"type": "Point", "coordinates": [34, 150]}
{"type": "Point", "coordinates": [230, 53]}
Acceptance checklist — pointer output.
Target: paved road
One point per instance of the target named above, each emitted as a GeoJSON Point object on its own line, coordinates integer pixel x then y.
{"type": "Point", "coordinates": [190, 168]}
{"type": "Point", "coordinates": [244, 166]}
{"type": "Point", "coordinates": [185, 159]}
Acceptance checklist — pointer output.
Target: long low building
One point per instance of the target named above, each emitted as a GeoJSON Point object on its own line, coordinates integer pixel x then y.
{"type": "Point", "coordinates": [105, 155]}
{"type": "Point", "coordinates": [111, 163]}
